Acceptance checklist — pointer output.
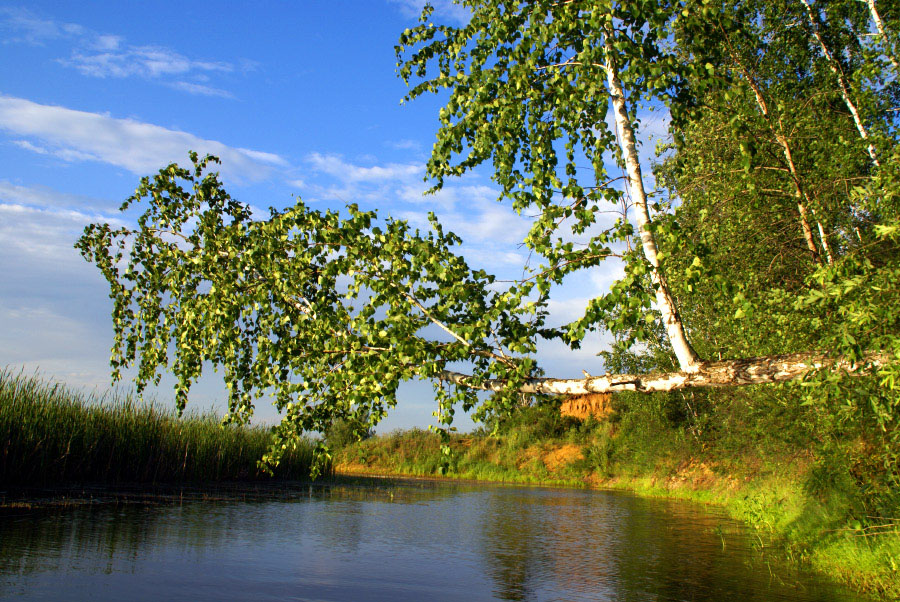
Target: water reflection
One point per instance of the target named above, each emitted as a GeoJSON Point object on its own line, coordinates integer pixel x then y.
{"type": "Point", "coordinates": [385, 540]}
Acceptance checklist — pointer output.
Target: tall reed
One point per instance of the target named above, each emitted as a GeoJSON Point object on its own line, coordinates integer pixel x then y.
{"type": "Point", "coordinates": [51, 434]}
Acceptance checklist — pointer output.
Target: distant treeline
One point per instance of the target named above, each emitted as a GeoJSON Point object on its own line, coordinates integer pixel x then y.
{"type": "Point", "coordinates": [51, 434]}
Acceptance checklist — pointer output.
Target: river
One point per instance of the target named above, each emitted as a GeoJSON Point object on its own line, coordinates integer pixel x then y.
{"type": "Point", "coordinates": [393, 540]}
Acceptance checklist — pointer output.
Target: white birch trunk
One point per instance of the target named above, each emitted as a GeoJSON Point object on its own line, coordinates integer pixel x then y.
{"type": "Point", "coordinates": [688, 359]}
{"type": "Point", "coordinates": [824, 238]}
{"type": "Point", "coordinates": [879, 25]}
{"type": "Point", "coordinates": [728, 373]}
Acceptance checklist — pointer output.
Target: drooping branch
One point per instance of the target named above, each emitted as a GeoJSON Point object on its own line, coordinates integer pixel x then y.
{"type": "Point", "coordinates": [727, 373]}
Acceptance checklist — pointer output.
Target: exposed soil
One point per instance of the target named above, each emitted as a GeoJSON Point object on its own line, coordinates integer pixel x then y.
{"type": "Point", "coordinates": [559, 457]}
{"type": "Point", "coordinates": [585, 406]}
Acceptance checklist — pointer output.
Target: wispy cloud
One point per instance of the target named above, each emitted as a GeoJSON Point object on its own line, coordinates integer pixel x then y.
{"type": "Point", "coordinates": [44, 233]}
{"type": "Point", "coordinates": [405, 144]}
{"type": "Point", "coordinates": [25, 27]}
{"type": "Point", "coordinates": [201, 90]}
{"type": "Point", "coordinates": [150, 62]}
{"type": "Point", "coordinates": [473, 213]}
{"type": "Point", "coordinates": [42, 196]}
{"type": "Point", "coordinates": [133, 145]}
{"type": "Point", "coordinates": [446, 9]}
{"type": "Point", "coordinates": [337, 167]}
{"type": "Point", "coordinates": [492, 231]}
{"type": "Point", "coordinates": [106, 55]}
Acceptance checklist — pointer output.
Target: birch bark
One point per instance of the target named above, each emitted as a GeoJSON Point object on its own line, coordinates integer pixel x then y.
{"type": "Point", "coordinates": [728, 373]}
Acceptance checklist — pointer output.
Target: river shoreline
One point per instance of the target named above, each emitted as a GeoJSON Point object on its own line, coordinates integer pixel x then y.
{"type": "Point", "coordinates": [722, 495]}
{"type": "Point", "coordinates": [400, 539]}
{"type": "Point", "coordinates": [56, 440]}
{"type": "Point", "coordinates": [773, 503]}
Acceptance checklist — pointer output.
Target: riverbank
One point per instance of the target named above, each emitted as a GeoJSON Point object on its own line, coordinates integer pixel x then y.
{"type": "Point", "coordinates": [771, 493]}
{"type": "Point", "coordinates": [51, 435]}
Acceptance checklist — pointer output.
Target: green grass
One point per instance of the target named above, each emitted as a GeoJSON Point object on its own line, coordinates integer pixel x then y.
{"type": "Point", "coordinates": [51, 435]}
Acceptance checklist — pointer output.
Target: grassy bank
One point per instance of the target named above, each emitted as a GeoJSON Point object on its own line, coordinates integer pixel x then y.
{"type": "Point", "coordinates": [52, 435]}
{"type": "Point", "coordinates": [778, 490]}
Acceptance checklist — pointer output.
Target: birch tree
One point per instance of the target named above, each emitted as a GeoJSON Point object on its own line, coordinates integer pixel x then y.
{"type": "Point", "coordinates": [331, 311]}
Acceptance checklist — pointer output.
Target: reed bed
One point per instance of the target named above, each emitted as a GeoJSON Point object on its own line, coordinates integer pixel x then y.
{"type": "Point", "coordinates": [51, 434]}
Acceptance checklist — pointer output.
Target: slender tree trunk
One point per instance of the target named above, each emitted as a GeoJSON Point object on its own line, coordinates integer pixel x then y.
{"type": "Point", "coordinates": [728, 373]}
{"type": "Point", "coordinates": [879, 25]}
{"type": "Point", "coordinates": [824, 238]}
{"type": "Point", "coordinates": [799, 193]}
{"type": "Point", "coordinates": [842, 83]}
{"type": "Point", "coordinates": [688, 359]}
{"type": "Point", "coordinates": [778, 133]}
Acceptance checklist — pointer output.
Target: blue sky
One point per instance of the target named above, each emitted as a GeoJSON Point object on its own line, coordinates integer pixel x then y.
{"type": "Point", "coordinates": [297, 98]}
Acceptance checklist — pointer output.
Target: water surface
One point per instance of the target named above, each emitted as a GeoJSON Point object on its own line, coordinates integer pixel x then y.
{"type": "Point", "coordinates": [394, 540]}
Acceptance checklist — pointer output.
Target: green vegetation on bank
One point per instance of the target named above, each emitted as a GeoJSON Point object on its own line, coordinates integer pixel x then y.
{"type": "Point", "coordinates": [51, 435]}
{"type": "Point", "coordinates": [812, 500]}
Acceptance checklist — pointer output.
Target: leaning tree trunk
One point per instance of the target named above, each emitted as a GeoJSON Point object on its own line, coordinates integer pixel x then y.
{"type": "Point", "coordinates": [728, 373]}
{"type": "Point", "coordinates": [688, 359]}
{"type": "Point", "coordinates": [778, 132]}
{"type": "Point", "coordinates": [879, 25]}
{"type": "Point", "coordinates": [842, 83]}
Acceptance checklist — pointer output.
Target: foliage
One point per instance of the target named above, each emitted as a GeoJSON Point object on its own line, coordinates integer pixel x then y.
{"type": "Point", "coordinates": [344, 432]}
{"type": "Point", "coordinates": [766, 133]}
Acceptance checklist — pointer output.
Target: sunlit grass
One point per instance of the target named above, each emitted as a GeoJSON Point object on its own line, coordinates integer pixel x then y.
{"type": "Point", "coordinates": [51, 434]}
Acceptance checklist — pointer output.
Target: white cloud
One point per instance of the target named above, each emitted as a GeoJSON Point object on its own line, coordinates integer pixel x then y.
{"type": "Point", "coordinates": [347, 182]}
{"type": "Point", "coordinates": [31, 147]}
{"type": "Point", "coordinates": [27, 28]}
{"type": "Point", "coordinates": [108, 42]}
{"type": "Point", "coordinates": [604, 275]}
{"type": "Point", "coordinates": [133, 145]}
{"type": "Point", "coordinates": [42, 197]}
{"type": "Point", "coordinates": [44, 233]}
{"type": "Point", "coordinates": [472, 212]}
{"type": "Point", "coordinates": [559, 361]}
{"type": "Point", "coordinates": [493, 260]}
{"type": "Point", "coordinates": [564, 311]}
{"type": "Point", "coordinates": [491, 231]}
{"type": "Point", "coordinates": [405, 144]}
